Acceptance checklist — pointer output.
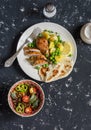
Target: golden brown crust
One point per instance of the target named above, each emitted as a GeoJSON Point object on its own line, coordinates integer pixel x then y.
{"type": "Point", "coordinates": [42, 45]}
{"type": "Point", "coordinates": [56, 72]}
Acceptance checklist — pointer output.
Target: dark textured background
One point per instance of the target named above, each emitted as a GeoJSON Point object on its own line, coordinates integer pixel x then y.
{"type": "Point", "coordinates": [68, 101]}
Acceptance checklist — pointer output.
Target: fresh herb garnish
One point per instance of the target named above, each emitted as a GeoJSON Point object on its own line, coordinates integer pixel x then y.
{"type": "Point", "coordinates": [37, 67]}
{"type": "Point", "coordinates": [59, 38]}
{"type": "Point", "coordinates": [45, 65]}
{"type": "Point", "coordinates": [40, 35]}
{"type": "Point", "coordinates": [70, 55]}
{"type": "Point", "coordinates": [32, 44]}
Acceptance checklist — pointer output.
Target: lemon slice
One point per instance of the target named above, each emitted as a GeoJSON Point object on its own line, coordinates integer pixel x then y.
{"type": "Point", "coordinates": [67, 48]}
{"type": "Point", "coordinates": [61, 47]}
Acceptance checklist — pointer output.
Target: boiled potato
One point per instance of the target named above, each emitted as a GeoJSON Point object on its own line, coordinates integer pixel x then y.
{"type": "Point", "coordinates": [52, 50]}
{"type": "Point", "coordinates": [53, 38]}
{"type": "Point", "coordinates": [60, 46]}
{"type": "Point", "coordinates": [46, 34]}
{"type": "Point", "coordinates": [51, 45]}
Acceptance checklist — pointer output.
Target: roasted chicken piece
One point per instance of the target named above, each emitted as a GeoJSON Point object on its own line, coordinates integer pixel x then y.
{"type": "Point", "coordinates": [31, 51]}
{"type": "Point", "coordinates": [26, 48]}
{"type": "Point", "coordinates": [37, 60]}
{"type": "Point", "coordinates": [31, 59]}
{"type": "Point", "coordinates": [42, 45]}
{"type": "Point", "coordinates": [40, 62]}
{"type": "Point", "coordinates": [41, 57]}
{"type": "Point", "coordinates": [35, 56]}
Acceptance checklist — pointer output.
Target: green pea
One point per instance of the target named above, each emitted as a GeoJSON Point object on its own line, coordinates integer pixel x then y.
{"type": "Point", "coordinates": [59, 38]}
{"type": "Point", "coordinates": [37, 67]}
{"type": "Point", "coordinates": [51, 58]}
{"type": "Point", "coordinates": [45, 30]}
{"type": "Point", "coordinates": [32, 44]}
{"type": "Point", "coordinates": [45, 65]}
{"type": "Point", "coordinates": [55, 62]}
{"type": "Point", "coordinates": [29, 45]}
{"type": "Point", "coordinates": [55, 42]}
{"type": "Point", "coordinates": [40, 35]}
{"type": "Point", "coordinates": [50, 31]}
{"type": "Point", "coordinates": [70, 55]}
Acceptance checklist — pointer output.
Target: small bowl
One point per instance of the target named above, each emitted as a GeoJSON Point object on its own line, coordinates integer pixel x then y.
{"type": "Point", "coordinates": [85, 33]}
{"type": "Point", "coordinates": [39, 94]}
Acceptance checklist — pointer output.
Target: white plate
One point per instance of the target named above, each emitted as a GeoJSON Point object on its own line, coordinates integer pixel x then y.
{"type": "Point", "coordinates": [64, 33]}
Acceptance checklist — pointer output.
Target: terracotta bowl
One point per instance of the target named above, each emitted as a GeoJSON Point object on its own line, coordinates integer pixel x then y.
{"type": "Point", "coordinates": [40, 94]}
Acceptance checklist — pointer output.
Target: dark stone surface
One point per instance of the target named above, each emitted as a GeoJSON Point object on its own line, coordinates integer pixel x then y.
{"type": "Point", "coordinates": [68, 101]}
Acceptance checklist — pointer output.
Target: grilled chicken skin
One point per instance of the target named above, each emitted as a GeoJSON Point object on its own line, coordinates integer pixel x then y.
{"type": "Point", "coordinates": [42, 45]}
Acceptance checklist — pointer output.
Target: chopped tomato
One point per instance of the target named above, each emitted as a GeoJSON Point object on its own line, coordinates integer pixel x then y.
{"type": "Point", "coordinates": [28, 110]}
{"type": "Point", "coordinates": [25, 98]}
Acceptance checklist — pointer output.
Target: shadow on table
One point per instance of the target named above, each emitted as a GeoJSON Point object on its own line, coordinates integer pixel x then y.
{"type": "Point", "coordinates": [76, 33]}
